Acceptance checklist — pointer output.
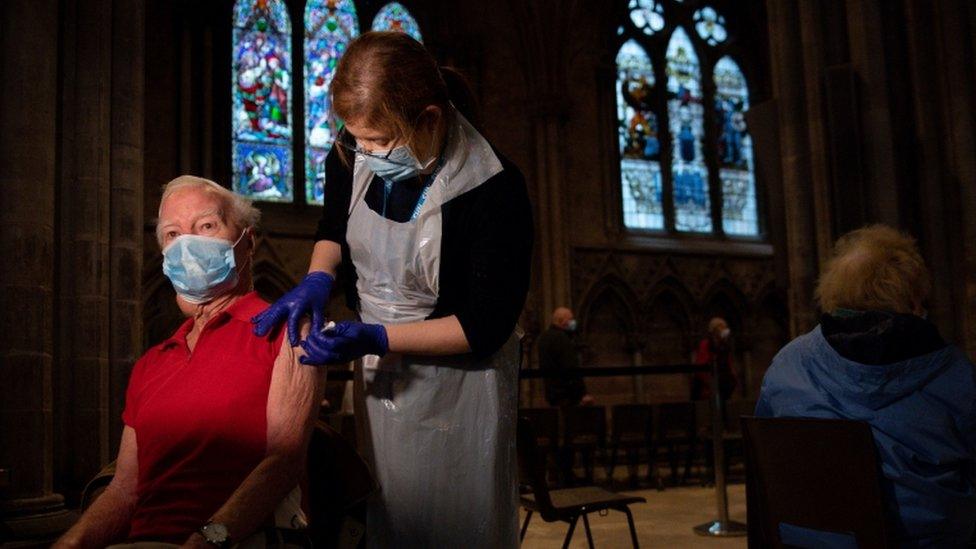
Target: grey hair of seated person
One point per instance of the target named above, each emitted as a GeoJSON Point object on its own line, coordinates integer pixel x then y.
{"type": "Point", "coordinates": [875, 268]}
{"type": "Point", "coordinates": [235, 210]}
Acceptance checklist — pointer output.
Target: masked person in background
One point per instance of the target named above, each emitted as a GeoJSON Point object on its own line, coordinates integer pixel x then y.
{"type": "Point", "coordinates": [715, 347]}
{"type": "Point", "coordinates": [558, 356]}
{"type": "Point", "coordinates": [217, 419]}
{"type": "Point", "coordinates": [433, 229]}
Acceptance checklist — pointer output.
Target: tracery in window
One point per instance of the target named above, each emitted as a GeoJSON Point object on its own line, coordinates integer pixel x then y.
{"type": "Point", "coordinates": [329, 27]}
{"type": "Point", "coordinates": [395, 17]}
{"type": "Point", "coordinates": [710, 26]}
{"type": "Point", "coordinates": [686, 156]}
{"type": "Point", "coordinates": [261, 133]}
{"type": "Point", "coordinates": [689, 174]}
{"type": "Point", "coordinates": [640, 147]}
{"type": "Point", "coordinates": [647, 15]}
{"type": "Point", "coordinates": [736, 169]}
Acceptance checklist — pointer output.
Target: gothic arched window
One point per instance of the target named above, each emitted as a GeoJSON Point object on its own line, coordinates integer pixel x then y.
{"type": "Point", "coordinates": [264, 149]}
{"type": "Point", "coordinates": [261, 131]}
{"type": "Point", "coordinates": [699, 175]}
{"type": "Point", "coordinates": [395, 17]}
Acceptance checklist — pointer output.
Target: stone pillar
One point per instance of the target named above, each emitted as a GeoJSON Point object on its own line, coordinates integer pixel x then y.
{"type": "Point", "coordinates": [83, 242]}
{"type": "Point", "coordinates": [790, 90]}
{"type": "Point", "coordinates": [101, 231]}
{"type": "Point", "coordinates": [126, 214]}
{"type": "Point", "coordinates": [29, 509]}
{"type": "Point", "coordinates": [542, 28]}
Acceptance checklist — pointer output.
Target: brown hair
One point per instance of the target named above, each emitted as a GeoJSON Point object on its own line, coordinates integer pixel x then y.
{"type": "Point", "coordinates": [876, 268]}
{"type": "Point", "coordinates": [385, 80]}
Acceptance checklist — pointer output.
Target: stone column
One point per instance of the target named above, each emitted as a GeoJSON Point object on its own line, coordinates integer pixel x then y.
{"type": "Point", "coordinates": [82, 304]}
{"type": "Point", "coordinates": [790, 90]}
{"type": "Point", "coordinates": [28, 217]}
{"type": "Point", "coordinates": [101, 231]}
{"type": "Point", "coordinates": [542, 28]}
{"type": "Point", "coordinates": [126, 214]}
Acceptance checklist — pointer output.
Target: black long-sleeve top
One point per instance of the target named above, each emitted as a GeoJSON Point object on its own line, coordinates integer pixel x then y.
{"type": "Point", "coordinates": [486, 248]}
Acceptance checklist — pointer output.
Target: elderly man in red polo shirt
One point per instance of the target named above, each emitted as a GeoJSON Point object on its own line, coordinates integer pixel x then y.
{"type": "Point", "coordinates": [217, 420]}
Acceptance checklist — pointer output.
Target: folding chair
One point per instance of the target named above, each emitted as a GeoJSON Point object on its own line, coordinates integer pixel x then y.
{"type": "Point", "coordinates": [568, 504]}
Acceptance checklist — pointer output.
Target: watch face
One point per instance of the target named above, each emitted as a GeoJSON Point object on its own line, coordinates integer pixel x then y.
{"type": "Point", "coordinates": [215, 532]}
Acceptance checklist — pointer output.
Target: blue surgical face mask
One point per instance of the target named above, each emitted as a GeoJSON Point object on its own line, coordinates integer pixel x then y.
{"type": "Point", "coordinates": [400, 164]}
{"type": "Point", "coordinates": [201, 267]}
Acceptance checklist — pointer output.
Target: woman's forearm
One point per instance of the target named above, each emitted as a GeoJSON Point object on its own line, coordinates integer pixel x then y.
{"type": "Point", "coordinates": [326, 256]}
{"type": "Point", "coordinates": [440, 336]}
{"type": "Point", "coordinates": [104, 523]}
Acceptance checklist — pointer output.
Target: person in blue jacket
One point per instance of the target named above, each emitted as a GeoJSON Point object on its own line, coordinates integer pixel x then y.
{"type": "Point", "coordinates": [875, 358]}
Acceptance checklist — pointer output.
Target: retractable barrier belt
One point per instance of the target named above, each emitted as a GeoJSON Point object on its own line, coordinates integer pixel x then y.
{"type": "Point", "coordinates": [602, 371]}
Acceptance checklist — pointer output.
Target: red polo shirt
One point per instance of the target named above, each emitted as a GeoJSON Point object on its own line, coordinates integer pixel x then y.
{"type": "Point", "coordinates": [200, 420]}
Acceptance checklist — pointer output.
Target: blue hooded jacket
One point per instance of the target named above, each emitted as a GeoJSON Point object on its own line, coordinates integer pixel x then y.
{"type": "Point", "coordinates": [922, 412]}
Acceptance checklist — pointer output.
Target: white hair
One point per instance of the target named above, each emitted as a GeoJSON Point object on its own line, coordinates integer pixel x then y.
{"type": "Point", "coordinates": [234, 210]}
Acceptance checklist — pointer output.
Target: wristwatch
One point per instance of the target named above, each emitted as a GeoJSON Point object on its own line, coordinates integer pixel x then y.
{"type": "Point", "coordinates": [215, 533]}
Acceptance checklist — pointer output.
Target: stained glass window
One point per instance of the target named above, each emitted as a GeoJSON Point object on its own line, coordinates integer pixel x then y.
{"type": "Point", "coordinates": [736, 169]}
{"type": "Point", "coordinates": [329, 27]}
{"type": "Point", "coordinates": [395, 17]}
{"type": "Point", "coordinates": [647, 15]}
{"type": "Point", "coordinates": [261, 130]}
{"type": "Point", "coordinates": [640, 148]}
{"type": "Point", "coordinates": [689, 174]}
{"type": "Point", "coordinates": [710, 26]}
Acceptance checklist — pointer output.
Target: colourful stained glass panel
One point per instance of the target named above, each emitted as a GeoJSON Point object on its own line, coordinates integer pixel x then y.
{"type": "Point", "coordinates": [736, 167]}
{"type": "Point", "coordinates": [395, 17]}
{"type": "Point", "coordinates": [692, 207]}
{"type": "Point", "coordinates": [640, 147]}
{"type": "Point", "coordinates": [261, 125]}
{"type": "Point", "coordinates": [329, 27]}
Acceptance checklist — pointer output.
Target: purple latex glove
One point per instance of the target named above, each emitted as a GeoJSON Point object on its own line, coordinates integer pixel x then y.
{"type": "Point", "coordinates": [345, 342]}
{"type": "Point", "coordinates": [311, 296]}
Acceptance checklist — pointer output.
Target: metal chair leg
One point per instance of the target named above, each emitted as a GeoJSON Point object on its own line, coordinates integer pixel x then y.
{"type": "Point", "coordinates": [586, 526]}
{"type": "Point", "coordinates": [630, 523]}
{"type": "Point", "coordinates": [525, 524]}
{"type": "Point", "coordinates": [569, 534]}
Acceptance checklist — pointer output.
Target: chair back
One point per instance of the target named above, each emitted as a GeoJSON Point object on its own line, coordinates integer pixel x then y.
{"type": "Point", "coordinates": [734, 410]}
{"type": "Point", "coordinates": [339, 482]}
{"type": "Point", "coordinates": [816, 474]}
{"type": "Point", "coordinates": [545, 424]}
{"type": "Point", "coordinates": [532, 468]}
{"type": "Point", "coordinates": [631, 423]}
{"type": "Point", "coordinates": [585, 426]}
{"type": "Point", "coordinates": [675, 419]}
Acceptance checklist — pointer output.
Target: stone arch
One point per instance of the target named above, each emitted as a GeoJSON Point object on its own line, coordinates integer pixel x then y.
{"type": "Point", "coordinates": [666, 331]}
{"type": "Point", "coordinates": [607, 326]}
{"type": "Point", "coordinates": [725, 300]}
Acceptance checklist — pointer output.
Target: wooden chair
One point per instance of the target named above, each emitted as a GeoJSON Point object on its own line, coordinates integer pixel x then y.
{"type": "Point", "coordinates": [813, 474]}
{"type": "Point", "coordinates": [585, 432]}
{"type": "Point", "coordinates": [546, 424]}
{"type": "Point", "coordinates": [568, 504]}
{"type": "Point", "coordinates": [633, 431]}
{"type": "Point", "coordinates": [674, 429]}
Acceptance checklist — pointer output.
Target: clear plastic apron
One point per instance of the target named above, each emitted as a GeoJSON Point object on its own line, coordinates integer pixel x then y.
{"type": "Point", "coordinates": [439, 431]}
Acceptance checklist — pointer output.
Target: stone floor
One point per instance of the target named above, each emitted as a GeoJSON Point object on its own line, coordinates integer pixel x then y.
{"type": "Point", "coordinates": [666, 520]}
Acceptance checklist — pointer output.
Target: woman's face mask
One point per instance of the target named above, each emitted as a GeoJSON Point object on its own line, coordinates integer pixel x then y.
{"type": "Point", "coordinates": [201, 267]}
{"type": "Point", "coordinates": [395, 165]}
